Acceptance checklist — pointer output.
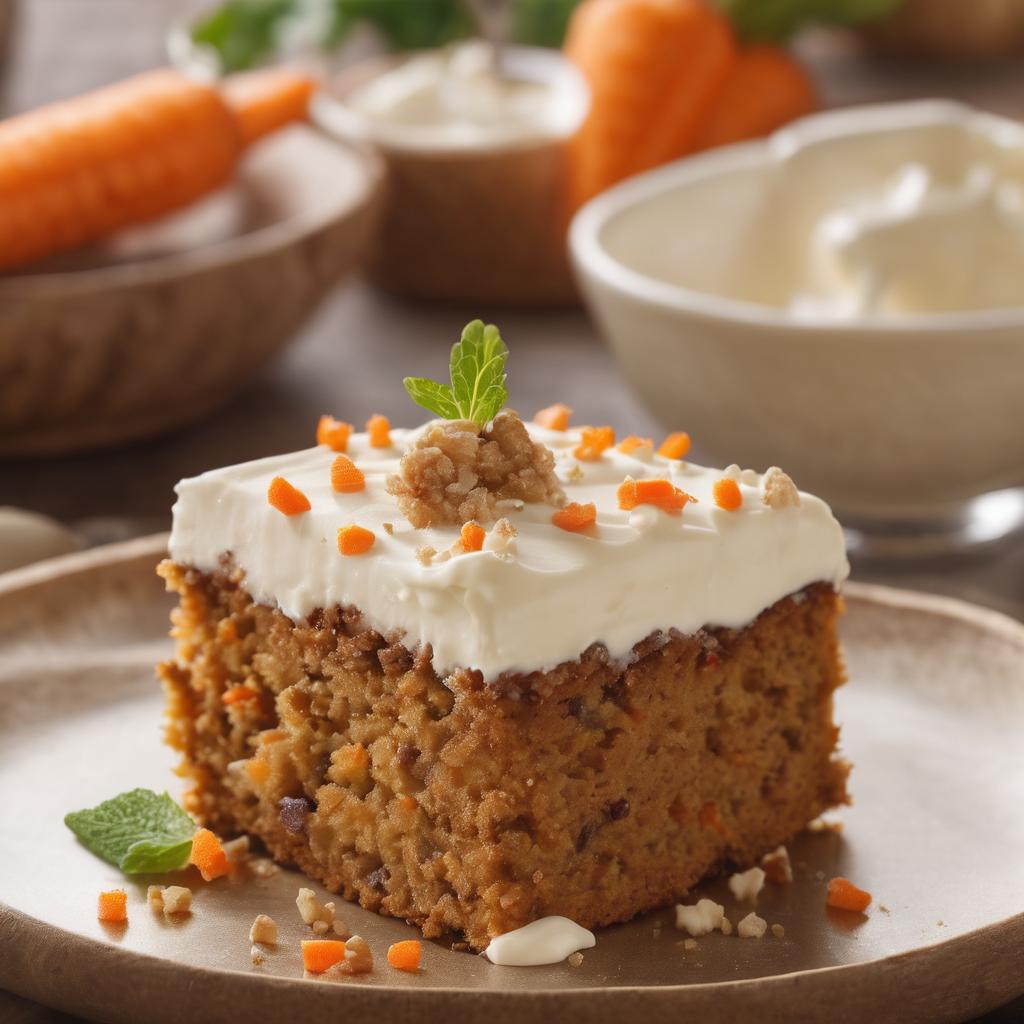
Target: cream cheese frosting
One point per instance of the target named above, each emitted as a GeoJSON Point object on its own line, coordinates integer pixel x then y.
{"type": "Point", "coordinates": [543, 600]}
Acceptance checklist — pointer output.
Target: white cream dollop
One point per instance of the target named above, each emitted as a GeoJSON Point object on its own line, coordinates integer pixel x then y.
{"type": "Point", "coordinates": [918, 244]}
{"type": "Point", "coordinates": [548, 940]}
{"type": "Point", "coordinates": [540, 602]}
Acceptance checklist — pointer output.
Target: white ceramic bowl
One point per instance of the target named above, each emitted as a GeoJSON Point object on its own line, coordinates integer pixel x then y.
{"type": "Point", "coordinates": [899, 419]}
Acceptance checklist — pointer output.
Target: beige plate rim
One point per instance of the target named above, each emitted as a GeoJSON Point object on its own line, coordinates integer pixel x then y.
{"type": "Point", "coordinates": [906, 982]}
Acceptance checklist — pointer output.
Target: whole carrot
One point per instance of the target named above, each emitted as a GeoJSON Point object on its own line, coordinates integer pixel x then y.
{"type": "Point", "coordinates": [765, 88]}
{"type": "Point", "coordinates": [655, 68]}
{"type": "Point", "coordinates": [74, 171]}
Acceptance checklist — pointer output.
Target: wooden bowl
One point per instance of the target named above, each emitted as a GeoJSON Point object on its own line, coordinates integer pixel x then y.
{"type": "Point", "coordinates": [164, 322]}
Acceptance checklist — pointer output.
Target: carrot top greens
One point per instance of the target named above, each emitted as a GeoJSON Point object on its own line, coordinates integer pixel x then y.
{"type": "Point", "coordinates": [477, 391]}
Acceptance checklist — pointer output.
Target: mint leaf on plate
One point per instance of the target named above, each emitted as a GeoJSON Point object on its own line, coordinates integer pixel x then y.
{"type": "Point", "coordinates": [477, 390]}
{"type": "Point", "coordinates": [140, 832]}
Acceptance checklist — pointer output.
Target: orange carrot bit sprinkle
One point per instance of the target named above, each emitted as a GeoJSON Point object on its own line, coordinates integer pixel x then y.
{"type": "Point", "coordinates": [660, 493]}
{"type": "Point", "coordinates": [112, 907]}
{"type": "Point", "coordinates": [238, 694]}
{"type": "Point", "coordinates": [410, 803]}
{"type": "Point", "coordinates": [333, 433]}
{"type": "Point", "coordinates": [257, 769]}
{"type": "Point", "coordinates": [355, 540]}
{"type": "Point", "coordinates": [675, 446]}
{"type": "Point", "coordinates": [844, 895]}
{"type": "Point", "coordinates": [346, 476]}
{"type": "Point", "coordinates": [727, 494]}
{"type": "Point", "coordinates": [472, 536]}
{"type": "Point", "coordinates": [208, 855]}
{"type": "Point", "coordinates": [405, 956]}
{"type": "Point", "coordinates": [288, 500]}
{"type": "Point", "coordinates": [575, 517]}
{"type": "Point", "coordinates": [630, 444]}
{"type": "Point", "coordinates": [594, 442]}
{"type": "Point", "coordinates": [319, 954]}
{"type": "Point", "coordinates": [554, 417]}
{"type": "Point", "coordinates": [379, 429]}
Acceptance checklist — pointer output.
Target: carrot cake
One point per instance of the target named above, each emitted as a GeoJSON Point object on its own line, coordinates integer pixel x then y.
{"type": "Point", "coordinates": [485, 671]}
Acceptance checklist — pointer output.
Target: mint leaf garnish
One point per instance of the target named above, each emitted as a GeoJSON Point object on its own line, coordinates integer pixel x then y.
{"type": "Point", "coordinates": [139, 832]}
{"type": "Point", "coordinates": [477, 390]}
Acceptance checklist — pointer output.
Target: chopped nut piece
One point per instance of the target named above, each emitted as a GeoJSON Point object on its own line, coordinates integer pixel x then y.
{"type": "Point", "coordinates": [264, 929]}
{"type": "Point", "coordinates": [425, 555]}
{"type": "Point", "coordinates": [689, 945]}
{"type": "Point", "coordinates": [777, 867]}
{"type": "Point", "coordinates": [501, 541]}
{"type": "Point", "coordinates": [340, 928]}
{"type": "Point", "coordinates": [575, 474]}
{"type": "Point", "coordinates": [263, 867]}
{"type": "Point", "coordinates": [778, 931]}
{"type": "Point", "coordinates": [388, 528]}
{"type": "Point", "coordinates": [779, 491]}
{"type": "Point", "coordinates": [700, 919]}
{"type": "Point", "coordinates": [726, 926]}
{"type": "Point", "coordinates": [256, 955]}
{"type": "Point", "coordinates": [746, 885]}
{"type": "Point", "coordinates": [319, 916]}
{"type": "Point", "coordinates": [575, 959]}
{"type": "Point", "coordinates": [752, 927]}
{"type": "Point", "coordinates": [456, 472]}
{"type": "Point", "coordinates": [177, 900]}
{"type": "Point", "coordinates": [237, 850]}
{"type": "Point", "coordinates": [358, 956]}
{"type": "Point", "coordinates": [155, 895]}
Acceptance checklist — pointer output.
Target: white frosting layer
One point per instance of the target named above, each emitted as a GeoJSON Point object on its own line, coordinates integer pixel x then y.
{"type": "Point", "coordinates": [546, 941]}
{"type": "Point", "coordinates": [535, 607]}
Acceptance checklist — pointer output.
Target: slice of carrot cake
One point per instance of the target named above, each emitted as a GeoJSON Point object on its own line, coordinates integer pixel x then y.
{"type": "Point", "coordinates": [485, 671]}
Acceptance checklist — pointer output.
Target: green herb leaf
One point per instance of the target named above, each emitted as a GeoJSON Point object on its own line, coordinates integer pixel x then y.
{"type": "Point", "coordinates": [478, 389]}
{"type": "Point", "coordinates": [139, 832]}
{"type": "Point", "coordinates": [755, 20]}
{"type": "Point", "coordinates": [438, 398]}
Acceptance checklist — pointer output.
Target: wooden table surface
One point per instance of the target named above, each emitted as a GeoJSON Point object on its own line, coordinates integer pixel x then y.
{"type": "Point", "coordinates": [351, 355]}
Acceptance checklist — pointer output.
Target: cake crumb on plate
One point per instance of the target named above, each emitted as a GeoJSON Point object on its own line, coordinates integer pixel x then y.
{"type": "Point", "coordinates": [752, 927]}
{"type": "Point", "coordinates": [745, 885]}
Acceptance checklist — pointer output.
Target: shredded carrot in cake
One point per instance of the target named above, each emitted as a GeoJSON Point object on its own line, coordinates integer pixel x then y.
{"type": "Point", "coordinates": [319, 954]}
{"type": "Point", "coordinates": [575, 517]}
{"type": "Point", "coordinates": [660, 493]}
{"type": "Point", "coordinates": [208, 855]}
{"type": "Point", "coordinates": [355, 540]}
{"type": "Point", "coordinates": [379, 429]}
{"type": "Point", "coordinates": [844, 895]}
{"type": "Point", "coordinates": [410, 803]}
{"type": "Point", "coordinates": [257, 769]}
{"type": "Point", "coordinates": [727, 494]}
{"type": "Point", "coordinates": [346, 476]}
{"type": "Point", "coordinates": [675, 446]}
{"type": "Point", "coordinates": [405, 956]}
{"type": "Point", "coordinates": [472, 536]}
{"type": "Point", "coordinates": [594, 442]}
{"type": "Point", "coordinates": [630, 444]}
{"type": "Point", "coordinates": [112, 907]}
{"type": "Point", "coordinates": [237, 694]}
{"type": "Point", "coordinates": [288, 500]}
{"type": "Point", "coordinates": [333, 433]}
{"type": "Point", "coordinates": [554, 417]}
{"type": "Point", "coordinates": [709, 817]}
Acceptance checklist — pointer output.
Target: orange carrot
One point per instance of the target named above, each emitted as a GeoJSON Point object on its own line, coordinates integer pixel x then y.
{"type": "Point", "coordinates": [405, 956]}
{"type": "Point", "coordinates": [112, 907]}
{"type": "Point", "coordinates": [675, 446]}
{"type": "Point", "coordinates": [727, 494]}
{"type": "Point", "coordinates": [333, 433]}
{"type": "Point", "coordinates": [655, 68]}
{"type": "Point", "coordinates": [208, 855]}
{"type": "Point", "coordinates": [257, 769]}
{"type": "Point", "coordinates": [844, 895]}
{"type": "Point", "coordinates": [575, 517]}
{"type": "Point", "coordinates": [660, 493]}
{"type": "Point", "coordinates": [379, 429]}
{"type": "Point", "coordinates": [319, 954]}
{"type": "Point", "coordinates": [288, 500]}
{"type": "Point", "coordinates": [74, 171]}
{"type": "Point", "coordinates": [355, 540]}
{"type": "Point", "coordinates": [594, 442]}
{"type": "Point", "coordinates": [765, 88]}
{"type": "Point", "coordinates": [409, 803]}
{"type": "Point", "coordinates": [472, 537]}
{"type": "Point", "coordinates": [630, 444]}
{"type": "Point", "coordinates": [237, 694]}
{"type": "Point", "coordinates": [554, 417]}
{"type": "Point", "coordinates": [346, 476]}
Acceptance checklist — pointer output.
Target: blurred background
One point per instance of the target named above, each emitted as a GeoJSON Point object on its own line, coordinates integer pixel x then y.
{"type": "Point", "coordinates": [327, 260]}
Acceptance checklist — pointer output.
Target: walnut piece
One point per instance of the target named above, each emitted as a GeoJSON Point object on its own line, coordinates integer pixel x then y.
{"type": "Point", "coordinates": [752, 927]}
{"type": "Point", "coordinates": [779, 490]}
{"type": "Point", "coordinates": [457, 473]}
{"type": "Point", "coordinates": [777, 866]}
{"type": "Point", "coordinates": [264, 929]}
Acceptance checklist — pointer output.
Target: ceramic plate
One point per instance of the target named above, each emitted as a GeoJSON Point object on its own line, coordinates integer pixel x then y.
{"type": "Point", "coordinates": [932, 719]}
